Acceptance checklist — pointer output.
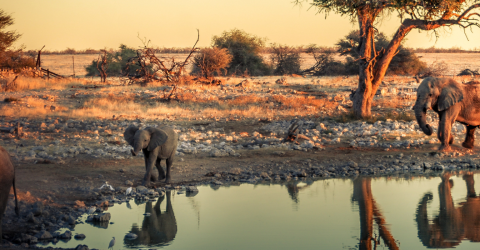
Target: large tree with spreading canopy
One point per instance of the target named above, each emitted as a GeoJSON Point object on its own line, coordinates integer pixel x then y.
{"type": "Point", "coordinates": [414, 14]}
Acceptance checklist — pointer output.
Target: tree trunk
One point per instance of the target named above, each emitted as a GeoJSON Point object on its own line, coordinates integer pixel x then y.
{"type": "Point", "coordinates": [372, 64]}
{"type": "Point", "coordinates": [362, 100]}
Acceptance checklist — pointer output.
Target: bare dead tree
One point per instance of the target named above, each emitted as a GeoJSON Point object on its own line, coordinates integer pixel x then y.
{"type": "Point", "coordinates": [155, 68]}
{"type": "Point", "coordinates": [102, 65]}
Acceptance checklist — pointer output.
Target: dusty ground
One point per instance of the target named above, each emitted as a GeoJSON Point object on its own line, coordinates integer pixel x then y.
{"type": "Point", "coordinates": [59, 182]}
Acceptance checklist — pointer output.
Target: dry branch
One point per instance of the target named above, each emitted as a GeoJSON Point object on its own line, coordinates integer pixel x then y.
{"type": "Point", "coordinates": [155, 68]}
{"type": "Point", "coordinates": [102, 66]}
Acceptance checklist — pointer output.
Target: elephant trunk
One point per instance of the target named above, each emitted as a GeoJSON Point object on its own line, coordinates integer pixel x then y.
{"type": "Point", "coordinates": [136, 149]}
{"type": "Point", "coordinates": [421, 115]}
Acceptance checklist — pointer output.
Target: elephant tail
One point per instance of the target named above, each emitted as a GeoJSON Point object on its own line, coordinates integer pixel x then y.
{"type": "Point", "coordinates": [15, 193]}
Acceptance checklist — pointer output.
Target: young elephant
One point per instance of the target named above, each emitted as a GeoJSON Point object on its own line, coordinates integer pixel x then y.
{"type": "Point", "coordinates": [7, 179]}
{"type": "Point", "coordinates": [156, 144]}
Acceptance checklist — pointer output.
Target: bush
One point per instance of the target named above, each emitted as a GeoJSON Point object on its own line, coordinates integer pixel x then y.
{"type": "Point", "coordinates": [16, 60]}
{"type": "Point", "coordinates": [210, 61]}
{"type": "Point", "coordinates": [285, 59]}
{"type": "Point", "coordinates": [325, 63]}
{"type": "Point", "coordinates": [245, 50]}
{"type": "Point", "coordinates": [117, 63]}
{"type": "Point", "coordinates": [436, 69]}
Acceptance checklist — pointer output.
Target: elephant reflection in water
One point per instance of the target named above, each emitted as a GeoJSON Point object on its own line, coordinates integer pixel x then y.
{"type": "Point", "coordinates": [158, 228]}
{"type": "Point", "coordinates": [453, 224]}
{"type": "Point", "coordinates": [369, 211]}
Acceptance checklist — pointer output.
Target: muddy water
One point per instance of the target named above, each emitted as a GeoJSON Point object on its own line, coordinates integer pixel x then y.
{"type": "Point", "coordinates": [392, 213]}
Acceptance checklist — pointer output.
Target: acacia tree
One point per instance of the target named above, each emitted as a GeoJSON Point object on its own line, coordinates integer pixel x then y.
{"type": "Point", "coordinates": [7, 38]}
{"type": "Point", "coordinates": [414, 14]}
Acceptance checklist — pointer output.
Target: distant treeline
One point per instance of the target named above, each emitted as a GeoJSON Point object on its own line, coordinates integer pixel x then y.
{"type": "Point", "coordinates": [298, 49]}
{"type": "Point", "coordinates": [442, 50]}
{"type": "Point", "coordinates": [70, 51]}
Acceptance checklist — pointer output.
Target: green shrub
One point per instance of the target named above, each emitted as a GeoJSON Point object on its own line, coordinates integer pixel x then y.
{"type": "Point", "coordinates": [285, 59]}
{"type": "Point", "coordinates": [117, 63]}
{"type": "Point", "coordinates": [245, 50]}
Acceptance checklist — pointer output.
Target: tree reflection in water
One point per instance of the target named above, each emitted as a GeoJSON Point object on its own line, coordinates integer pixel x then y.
{"type": "Point", "coordinates": [158, 228]}
{"type": "Point", "coordinates": [453, 224]}
{"type": "Point", "coordinates": [369, 211]}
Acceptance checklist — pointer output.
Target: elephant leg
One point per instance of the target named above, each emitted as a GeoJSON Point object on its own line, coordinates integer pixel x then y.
{"type": "Point", "coordinates": [161, 173]}
{"type": "Point", "coordinates": [4, 193]}
{"type": "Point", "coordinates": [3, 204]}
{"type": "Point", "coordinates": [445, 126]}
{"type": "Point", "coordinates": [469, 137]}
{"type": "Point", "coordinates": [149, 162]}
{"type": "Point", "coordinates": [152, 176]}
{"type": "Point", "coordinates": [169, 166]}
{"type": "Point", "coordinates": [470, 185]}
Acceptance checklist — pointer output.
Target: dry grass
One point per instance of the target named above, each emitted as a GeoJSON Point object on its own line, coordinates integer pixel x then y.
{"type": "Point", "coordinates": [28, 83]}
{"type": "Point", "coordinates": [32, 107]}
{"type": "Point", "coordinates": [248, 107]}
{"type": "Point", "coordinates": [301, 102]}
{"type": "Point", "coordinates": [195, 101]}
{"type": "Point", "coordinates": [393, 102]}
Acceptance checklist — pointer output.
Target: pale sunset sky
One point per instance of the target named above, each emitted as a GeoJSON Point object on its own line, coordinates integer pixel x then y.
{"type": "Point", "coordinates": [82, 24]}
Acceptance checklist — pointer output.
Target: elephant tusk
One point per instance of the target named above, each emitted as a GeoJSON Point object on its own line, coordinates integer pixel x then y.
{"type": "Point", "coordinates": [133, 153]}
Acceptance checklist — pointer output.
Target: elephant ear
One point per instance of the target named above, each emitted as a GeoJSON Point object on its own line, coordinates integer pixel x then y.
{"type": "Point", "coordinates": [129, 134]}
{"type": "Point", "coordinates": [450, 95]}
{"type": "Point", "coordinates": [157, 138]}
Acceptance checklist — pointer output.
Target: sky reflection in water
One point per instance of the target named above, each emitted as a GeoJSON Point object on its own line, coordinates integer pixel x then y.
{"type": "Point", "coordinates": [326, 214]}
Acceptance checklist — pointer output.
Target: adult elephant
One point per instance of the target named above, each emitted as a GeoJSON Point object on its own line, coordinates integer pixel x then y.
{"type": "Point", "coordinates": [453, 223]}
{"type": "Point", "coordinates": [157, 144]}
{"type": "Point", "coordinates": [452, 101]}
{"type": "Point", "coordinates": [7, 180]}
{"type": "Point", "coordinates": [157, 229]}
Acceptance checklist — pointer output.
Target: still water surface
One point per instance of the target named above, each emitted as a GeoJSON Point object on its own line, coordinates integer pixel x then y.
{"type": "Point", "coordinates": [397, 213]}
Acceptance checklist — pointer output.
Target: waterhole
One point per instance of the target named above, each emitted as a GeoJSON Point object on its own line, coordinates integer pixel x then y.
{"type": "Point", "coordinates": [363, 213]}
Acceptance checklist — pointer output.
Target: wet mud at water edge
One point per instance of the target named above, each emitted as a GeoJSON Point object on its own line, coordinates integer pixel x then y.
{"type": "Point", "coordinates": [441, 211]}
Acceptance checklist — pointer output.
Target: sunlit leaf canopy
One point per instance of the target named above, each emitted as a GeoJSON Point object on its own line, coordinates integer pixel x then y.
{"type": "Point", "coordinates": [429, 10]}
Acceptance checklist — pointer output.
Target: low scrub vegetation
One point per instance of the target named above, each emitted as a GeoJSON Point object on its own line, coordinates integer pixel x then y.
{"type": "Point", "coordinates": [435, 69]}
{"type": "Point", "coordinates": [285, 59]}
{"type": "Point", "coordinates": [117, 63]}
{"type": "Point", "coordinates": [211, 61]}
